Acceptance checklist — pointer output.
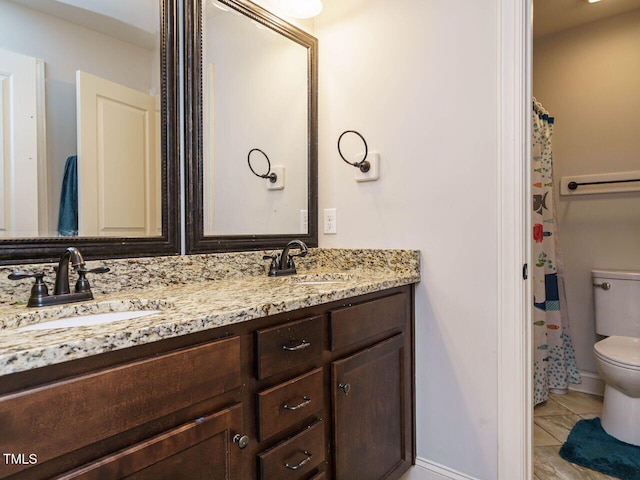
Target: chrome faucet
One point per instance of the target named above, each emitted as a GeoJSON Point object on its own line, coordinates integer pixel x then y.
{"type": "Point", "coordinates": [61, 293]}
{"type": "Point", "coordinates": [283, 264]}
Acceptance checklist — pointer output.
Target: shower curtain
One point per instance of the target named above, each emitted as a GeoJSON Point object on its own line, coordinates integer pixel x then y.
{"type": "Point", "coordinates": [554, 365]}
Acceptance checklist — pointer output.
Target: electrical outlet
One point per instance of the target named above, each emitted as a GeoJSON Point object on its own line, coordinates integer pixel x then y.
{"type": "Point", "coordinates": [330, 223]}
{"type": "Point", "coordinates": [304, 221]}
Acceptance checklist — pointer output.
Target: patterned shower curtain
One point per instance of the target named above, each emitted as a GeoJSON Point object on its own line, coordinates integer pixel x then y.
{"type": "Point", "coordinates": [554, 365]}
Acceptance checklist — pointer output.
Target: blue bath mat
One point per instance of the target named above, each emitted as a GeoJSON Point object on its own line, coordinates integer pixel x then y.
{"type": "Point", "coordinates": [590, 446]}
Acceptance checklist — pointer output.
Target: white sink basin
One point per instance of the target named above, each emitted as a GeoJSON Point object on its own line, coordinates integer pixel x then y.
{"type": "Point", "coordinates": [317, 282]}
{"type": "Point", "coordinates": [88, 320]}
{"type": "Point", "coordinates": [321, 279]}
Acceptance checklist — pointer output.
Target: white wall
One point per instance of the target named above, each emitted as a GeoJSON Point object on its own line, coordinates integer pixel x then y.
{"type": "Point", "coordinates": [588, 79]}
{"type": "Point", "coordinates": [65, 48]}
{"type": "Point", "coordinates": [419, 81]}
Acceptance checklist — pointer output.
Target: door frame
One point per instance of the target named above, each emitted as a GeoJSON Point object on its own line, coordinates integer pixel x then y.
{"type": "Point", "coordinates": [515, 406]}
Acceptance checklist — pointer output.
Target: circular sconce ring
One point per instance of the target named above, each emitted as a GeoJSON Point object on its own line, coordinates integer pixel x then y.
{"type": "Point", "coordinates": [273, 178]}
{"type": "Point", "coordinates": [363, 164]}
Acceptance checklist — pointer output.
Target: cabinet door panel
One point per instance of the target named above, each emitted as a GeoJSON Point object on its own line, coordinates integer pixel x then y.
{"type": "Point", "coordinates": [89, 408]}
{"type": "Point", "coordinates": [202, 449]}
{"type": "Point", "coordinates": [369, 411]}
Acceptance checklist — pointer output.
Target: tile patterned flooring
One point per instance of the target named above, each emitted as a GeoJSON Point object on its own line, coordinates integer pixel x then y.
{"type": "Point", "coordinates": [553, 421]}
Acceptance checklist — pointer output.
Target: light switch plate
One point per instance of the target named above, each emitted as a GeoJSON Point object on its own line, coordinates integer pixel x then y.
{"type": "Point", "coordinates": [279, 183]}
{"type": "Point", "coordinates": [374, 171]}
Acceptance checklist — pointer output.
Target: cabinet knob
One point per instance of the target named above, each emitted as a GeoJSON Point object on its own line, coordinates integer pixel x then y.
{"type": "Point", "coordinates": [604, 285]}
{"type": "Point", "coordinates": [241, 440]}
{"type": "Point", "coordinates": [345, 387]}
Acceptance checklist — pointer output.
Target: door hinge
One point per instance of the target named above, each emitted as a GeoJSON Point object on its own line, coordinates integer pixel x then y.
{"type": "Point", "coordinates": [525, 271]}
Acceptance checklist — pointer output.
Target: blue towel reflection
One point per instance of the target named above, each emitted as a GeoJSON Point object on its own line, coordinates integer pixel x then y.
{"type": "Point", "coordinates": [68, 217]}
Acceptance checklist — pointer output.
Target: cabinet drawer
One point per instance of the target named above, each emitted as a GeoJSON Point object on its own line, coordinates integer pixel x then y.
{"type": "Point", "coordinates": [293, 344]}
{"type": "Point", "coordinates": [356, 323]}
{"type": "Point", "coordinates": [288, 403]}
{"type": "Point", "coordinates": [296, 456]}
{"type": "Point", "coordinates": [86, 409]}
{"type": "Point", "coordinates": [198, 450]}
{"type": "Point", "coordinates": [320, 476]}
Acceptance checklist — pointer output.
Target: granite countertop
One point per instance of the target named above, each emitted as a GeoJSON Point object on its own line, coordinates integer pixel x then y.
{"type": "Point", "coordinates": [184, 308]}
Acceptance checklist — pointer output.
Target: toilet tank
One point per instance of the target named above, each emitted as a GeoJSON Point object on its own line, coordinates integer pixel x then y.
{"type": "Point", "coordinates": [616, 296]}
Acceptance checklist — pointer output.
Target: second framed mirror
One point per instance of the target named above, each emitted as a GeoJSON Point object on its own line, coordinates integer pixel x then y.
{"type": "Point", "coordinates": [251, 113]}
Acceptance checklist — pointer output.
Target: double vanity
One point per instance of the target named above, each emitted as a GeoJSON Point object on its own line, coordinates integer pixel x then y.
{"type": "Point", "coordinates": [209, 365]}
{"type": "Point", "coordinates": [223, 372]}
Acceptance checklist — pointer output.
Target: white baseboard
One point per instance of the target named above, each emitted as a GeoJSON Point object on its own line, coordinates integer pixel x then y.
{"type": "Point", "coordinates": [428, 470]}
{"type": "Point", "coordinates": [591, 384]}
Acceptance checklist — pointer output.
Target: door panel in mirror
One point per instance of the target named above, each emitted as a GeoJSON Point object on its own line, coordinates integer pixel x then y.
{"type": "Point", "coordinates": [251, 84]}
{"type": "Point", "coordinates": [128, 200]}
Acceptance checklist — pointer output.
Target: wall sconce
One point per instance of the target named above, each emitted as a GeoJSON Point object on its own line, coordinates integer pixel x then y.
{"type": "Point", "coordinates": [367, 165]}
{"type": "Point", "coordinates": [275, 177]}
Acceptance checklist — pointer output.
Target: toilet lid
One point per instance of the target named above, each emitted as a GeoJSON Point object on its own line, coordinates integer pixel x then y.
{"type": "Point", "coordinates": [622, 350]}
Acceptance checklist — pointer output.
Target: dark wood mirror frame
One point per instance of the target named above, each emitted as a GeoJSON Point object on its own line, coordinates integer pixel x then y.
{"type": "Point", "coordinates": [29, 250]}
{"type": "Point", "coordinates": [196, 240]}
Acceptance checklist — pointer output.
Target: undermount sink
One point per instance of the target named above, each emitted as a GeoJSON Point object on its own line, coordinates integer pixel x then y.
{"type": "Point", "coordinates": [317, 282]}
{"type": "Point", "coordinates": [321, 279]}
{"type": "Point", "coordinates": [88, 320]}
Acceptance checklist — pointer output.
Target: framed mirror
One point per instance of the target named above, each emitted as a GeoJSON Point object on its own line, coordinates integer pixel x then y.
{"type": "Point", "coordinates": [251, 112]}
{"type": "Point", "coordinates": [88, 128]}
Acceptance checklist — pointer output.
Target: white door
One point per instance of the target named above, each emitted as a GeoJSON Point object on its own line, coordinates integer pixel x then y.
{"type": "Point", "coordinates": [18, 145]}
{"type": "Point", "coordinates": [118, 160]}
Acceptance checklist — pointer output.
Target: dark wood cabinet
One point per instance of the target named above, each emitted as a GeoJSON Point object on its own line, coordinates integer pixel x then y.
{"type": "Point", "coordinates": [201, 449]}
{"type": "Point", "coordinates": [369, 414]}
{"type": "Point", "coordinates": [322, 393]}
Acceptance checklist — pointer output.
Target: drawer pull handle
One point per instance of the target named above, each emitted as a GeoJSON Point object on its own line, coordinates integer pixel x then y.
{"type": "Point", "coordinates": [301, 346]}
{"type": "Point", "coordinates": [345, 387]}
{"type": "Point", "coordinates": [301, 464]}
{"type": "Point", "coordinates": [306, 402]}
{"type": "Point", "coordinates": [604, 285]}
{"type": "Point", "coordinates": [241, 440]}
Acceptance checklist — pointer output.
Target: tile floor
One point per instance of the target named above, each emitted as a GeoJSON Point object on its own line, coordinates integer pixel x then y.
{"type": "Point", "coordinates": [553, 421]}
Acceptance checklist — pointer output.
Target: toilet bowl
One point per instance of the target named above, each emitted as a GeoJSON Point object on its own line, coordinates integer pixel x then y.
{"type": "Point", "coordinates": [618, 361]}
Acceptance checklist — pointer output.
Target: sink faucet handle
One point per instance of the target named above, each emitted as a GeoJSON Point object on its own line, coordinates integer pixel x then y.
{"type": "Point", "coordinates": [39, 288]}
{"type": "Point", "coordinates": [94, 270]}
{"type": "Point", "coordinates": [273, 267]}
{"type": "Point", "coordinates": [82, 285]}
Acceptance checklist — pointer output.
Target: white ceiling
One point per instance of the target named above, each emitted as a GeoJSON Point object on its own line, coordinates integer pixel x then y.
{"type": "Point", "coordinates": [136, 22]}
{"type": "Point", "coordinates": [551, 16]}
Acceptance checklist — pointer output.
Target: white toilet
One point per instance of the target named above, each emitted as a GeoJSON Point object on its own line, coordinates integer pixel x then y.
{"type": "Point", "coordinates": [617, 312]}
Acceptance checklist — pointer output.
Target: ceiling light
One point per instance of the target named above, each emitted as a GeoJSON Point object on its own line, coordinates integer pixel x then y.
{"type": "Point", "coordinates": [591, 1]}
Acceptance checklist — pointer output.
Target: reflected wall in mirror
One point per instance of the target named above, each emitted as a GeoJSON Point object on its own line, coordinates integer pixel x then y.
{"type": "Point", "coordinates": [87, 127]}
{"type": "Point", "coordinates": [253, 85]}
{"type": "Point", "coordinates": [81, 84]}
{"type": "Point", "coordinates": [254, 96]}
